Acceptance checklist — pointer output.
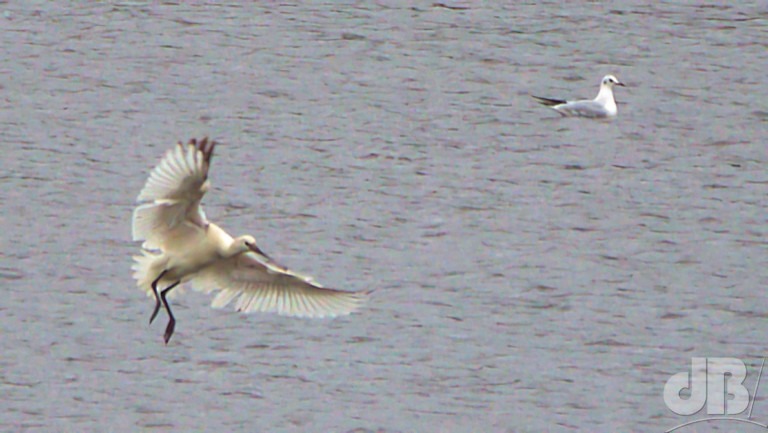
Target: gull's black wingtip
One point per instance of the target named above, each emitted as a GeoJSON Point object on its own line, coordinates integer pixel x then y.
{"type": "Point", "coordinates": [549, 102]}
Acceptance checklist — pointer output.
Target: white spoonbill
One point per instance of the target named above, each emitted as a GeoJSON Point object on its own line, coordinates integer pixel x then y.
{"type": "Point", "coordinates": [181, 245]}
{"type": "Point", "coordinates": [601, 107]}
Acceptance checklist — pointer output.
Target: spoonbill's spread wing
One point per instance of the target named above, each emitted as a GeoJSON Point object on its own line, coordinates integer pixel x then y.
{"type": "Point", "coordinates": [171, 197]}
{"type": "Point", "coordinates": [257, 283]}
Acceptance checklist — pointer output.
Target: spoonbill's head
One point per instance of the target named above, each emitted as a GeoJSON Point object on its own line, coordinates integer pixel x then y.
{"type": "Point", "coordinates": [244, 244]}
{"type": "Point", "coordinates": [610, 81]}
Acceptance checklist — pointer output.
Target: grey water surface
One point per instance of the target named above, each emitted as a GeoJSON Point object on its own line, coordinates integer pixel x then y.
{"type": "Point", "coordinates": [532, 273]}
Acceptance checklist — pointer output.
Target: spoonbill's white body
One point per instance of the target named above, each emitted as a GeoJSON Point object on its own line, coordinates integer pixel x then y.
{"type": "Point", "coordinates": [604, 105]}
{"type": "Point", "coordinates": [181, 245]}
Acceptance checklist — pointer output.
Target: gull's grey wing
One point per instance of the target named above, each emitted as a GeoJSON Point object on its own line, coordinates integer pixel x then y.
{"type": "Point", "coordinates": [590, 109]}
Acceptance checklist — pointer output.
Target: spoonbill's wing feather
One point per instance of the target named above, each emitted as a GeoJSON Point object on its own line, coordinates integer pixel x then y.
{"type": "Point", "coordinates": [173, 192]}
{"type": "Point", "coordinates": [256, 283]}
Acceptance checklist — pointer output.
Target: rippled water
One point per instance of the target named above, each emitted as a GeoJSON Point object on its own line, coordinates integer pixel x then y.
{"type": "Point", "coordinates": [534, 273]}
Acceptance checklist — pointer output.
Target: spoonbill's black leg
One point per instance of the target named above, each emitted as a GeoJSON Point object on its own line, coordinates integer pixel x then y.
{"type": "Point", "coordinates": [157, 297]}
{"type": "Point", "coordinates": [171, 320]}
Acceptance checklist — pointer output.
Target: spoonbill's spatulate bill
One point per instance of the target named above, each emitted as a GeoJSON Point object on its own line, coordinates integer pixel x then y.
{"type": "Point", "coordinates": [181, 245]}
{"type": "Point", "coordinates": [601, 107]}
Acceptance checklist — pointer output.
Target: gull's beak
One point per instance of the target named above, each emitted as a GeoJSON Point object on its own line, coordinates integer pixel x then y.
{"type": "Point", "coordinates": [621, 84]}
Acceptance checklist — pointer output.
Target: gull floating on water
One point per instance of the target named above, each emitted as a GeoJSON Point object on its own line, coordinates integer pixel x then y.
{"type": "Point", "coordinates": [602, 106]}
{"type": "Point", "coordinates": [181, 245]}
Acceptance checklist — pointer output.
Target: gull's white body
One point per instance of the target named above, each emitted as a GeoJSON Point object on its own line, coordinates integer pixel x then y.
{"type": "Point", "coordinates": [181, 245]}
{"type": "Point", "coordinates": [603, 106]}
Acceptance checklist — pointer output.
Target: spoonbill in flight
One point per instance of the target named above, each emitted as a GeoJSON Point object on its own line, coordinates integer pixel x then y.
{"type": "Point", "coordinates": [181, 245]}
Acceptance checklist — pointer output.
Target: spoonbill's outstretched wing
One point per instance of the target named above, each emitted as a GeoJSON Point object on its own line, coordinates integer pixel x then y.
{"type": "Point", "coordinates": [171, 197]}
{"type": "Point", "coordinates": [257, 283]}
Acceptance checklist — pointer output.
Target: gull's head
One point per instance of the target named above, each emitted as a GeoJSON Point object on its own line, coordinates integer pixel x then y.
{"type": "Point", "coordinates": [610, 81]}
